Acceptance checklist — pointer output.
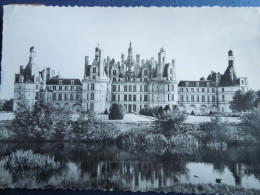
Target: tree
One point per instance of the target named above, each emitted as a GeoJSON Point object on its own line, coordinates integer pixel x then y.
{"type": "Point", "coordinates": [43, 120]}
{"type": "Point", "coordinates": [170, 120]}
{"type": "Point", "coordinates": [117, 112]}
{"type": "Point", "coordinates": [243, 102]}
{"type": "Point", "coordinates": [8, 105]}
{"type": "Point", "coordinates": [167, 107]}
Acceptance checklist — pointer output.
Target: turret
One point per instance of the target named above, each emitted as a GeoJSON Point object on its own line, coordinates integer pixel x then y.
{"type": "Point", "coordinates": [230, 58]}
{"type": "Point", "coordinates": [32, 54]}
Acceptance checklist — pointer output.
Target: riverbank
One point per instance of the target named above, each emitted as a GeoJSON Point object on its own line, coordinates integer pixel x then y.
{"type": "Point", "coordinates": [191, 119]}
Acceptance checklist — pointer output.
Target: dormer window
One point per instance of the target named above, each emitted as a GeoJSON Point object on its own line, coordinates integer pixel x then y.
{"type": "Point", "coordinates": [208, 84]}
{"type": "Point", "coordinates": [72, 82]}
{"type": "Point", "coordinates": [187, 84]}
{"type": "Point", "coordinates": [60, 82]}
{"type": "Point", "coordinates": [197, 84]}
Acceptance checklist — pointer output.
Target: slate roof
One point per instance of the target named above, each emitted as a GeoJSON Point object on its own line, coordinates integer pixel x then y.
{"type": "Point", "coordinates": [64, 81]}
{"type": "Point", "coordinates": [226, 79]}
{"type": "Point", "coordinates": [193, 84]}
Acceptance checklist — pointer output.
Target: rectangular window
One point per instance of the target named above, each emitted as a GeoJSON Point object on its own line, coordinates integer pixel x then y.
{"type": "Point", "coordinates": [66, 87]}
{"type": "Point", "coordinates": [94, 69]}
{"type": "Point", "coordinates": [78, 88]}
{"type": "Point", "coordinates": [172, 97]}
{"type": "Point", "coordinates": [134, 108]}
{"type": "Point", "coordinates": [72, 88]}
{"type": "Point", "coordinates": [130, 98]}
{"type": "Point", "coordinates": [77, 97]}
{"type": "Point", "coordinates": [213, 90]}
{"type": "Point", "coordinates": [54, 96]}
{"type": "Point", "coordinates": [71, 97]}
{"type": "Point", "coordinates": [182, 98]}
{"type": "Point", "coordinates": [187, 89]}
{"type": "Point", "coordinates": [118, 88]}
{"type": "Point", "coordinates": [203, 89]}
{"type": "Point", "coordinates": [65, 96]}
{"type": "Point", "coordinates": [114, 79]}
{"type": "Point", "coordinates": [192, 98]}
{"type": "Point", "coordinates": [54, 88]}
{"type": "Point", "coordinates": [141, 88]}
{"type": "Point", "coordinates": [140, 107]}
{"type": "Point", "coordinates": [92, 86]}
{"type": "Point", "coordinates": [207, 89]}
{"type": "Point", "coordinates": [130, 87]}
{"type": "Point", "coordinates": [114, 88]}
{"type": "Point", "coordinates": [198, 98]}
{"type": "Point", "coordinates": [125, 88]}
{"type": "Point", "coordinates": [145, 79]}
{"type": "Point", "coordinates": [141, 98]}
{"type": "Point", "coordinates": [60, 96]}
{"type": "Point", "coordinates": [145, 98]}
{"type": "Point", "coordinates": [192, 89]}
{"type": "Point", "coordinates": [181, 89]}
{"type": "Point", "coordinates": [87, 96]}
{"type": "Point", "coordinates": [213, 98]}
{"type": "Point", "coordinates": [168, 87]}
{"type": "Point", "coordinates": [145, 72]}
{"type": "Point", "coordinates": [60, 88]}
{"type": "Point", "coordinates": [134, 97]}
{"type": "Point", "coordinates": [203, 98]}
{"type": "Point", "coordinates": [187, 98]}
{"type": "Point", "coordinates": [37, 86]}
{"type": "Point", "coordinates": [208, 98]}
{"type": "Point", "coordinates": [223, 98]}
{"type": "Point", "coordinates": [114, 72]}
{"type": "Point", "coordinates": [168, 97]}
{"type": "Point", "coordinates": [92, 96]}
{"type": "Point", "coordinates": [145, 88]}
{"type": "Point", "coordinates": [198, 89]}
{"type": "Point", "coordinates": [125, 97]}
{"type": "Point", "coordinates": [134, 88]}
{"type": "Point", "coordinates": [118, 98]}
{"type": "Point", "coordinates": [113, 97]}
{"type": "Point", "coordinates": [223, 89]}
{"type": "Point", "coordinates": [172, 87]}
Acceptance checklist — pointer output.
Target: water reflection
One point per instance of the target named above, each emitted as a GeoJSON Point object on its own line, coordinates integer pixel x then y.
{"type": "Point", "coordinates": [114, 167]}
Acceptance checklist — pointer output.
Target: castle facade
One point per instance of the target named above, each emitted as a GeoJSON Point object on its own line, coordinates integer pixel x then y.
{"type": "Point", "coordinates": [132, 82]}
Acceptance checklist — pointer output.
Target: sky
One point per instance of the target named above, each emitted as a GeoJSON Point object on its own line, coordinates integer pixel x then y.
{"type": "Point", "coordinates": [197, 38]}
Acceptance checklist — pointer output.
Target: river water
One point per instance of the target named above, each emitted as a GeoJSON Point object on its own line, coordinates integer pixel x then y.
{"type": "Point", "coordinates": [114, 167]}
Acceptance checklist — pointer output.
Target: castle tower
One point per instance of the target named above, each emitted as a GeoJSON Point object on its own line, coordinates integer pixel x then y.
{"type": "Point", "coordinates": [161, 63]}
{"type": "Point", "coordinates": [30, 82]}
{"type": "Point", "coordinates": [96, 85]}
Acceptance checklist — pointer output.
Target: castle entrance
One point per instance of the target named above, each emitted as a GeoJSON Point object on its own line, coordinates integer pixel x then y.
{"type": "Point", "coordinates": [129, 108]}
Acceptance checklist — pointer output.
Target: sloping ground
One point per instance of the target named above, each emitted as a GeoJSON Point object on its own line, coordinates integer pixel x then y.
{"type": "Point", "coordinates": [6, 116]}
{"type": "Point", "coordinates": [199, 119]}
{"type": "Point", "coordinates": [127, 118]}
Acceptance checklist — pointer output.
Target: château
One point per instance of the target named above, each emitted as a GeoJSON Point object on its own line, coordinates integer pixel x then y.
{"type": "Point", "coordinates": [132, 82]}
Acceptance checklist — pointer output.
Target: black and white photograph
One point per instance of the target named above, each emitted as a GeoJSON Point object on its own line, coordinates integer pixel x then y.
{"type": "Point", "coordinates": [158, 99]}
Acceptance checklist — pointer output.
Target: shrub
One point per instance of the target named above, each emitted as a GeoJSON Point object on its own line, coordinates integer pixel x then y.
{"type": "Point", "coordinates": [27, 159]}
{"type": "Point", "coordinates": [106, 112]}
{"type": "Point", "coordinates": [8, 105]}
{"type": "Point", "coordinates": [170, 121]}
{"type": "Point", "coordinates": [43, 120]}
{"type": "Point", "coordinates": [167, 107]}
{"type": "Point", "coordinates": [117, 112]}
{"type": "Point", "coordinates": [147, 111]}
